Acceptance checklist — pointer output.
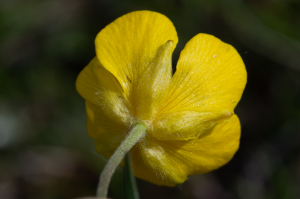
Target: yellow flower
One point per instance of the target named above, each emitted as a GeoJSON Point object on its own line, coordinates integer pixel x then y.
{"type": "Point", "coordinates": [191, 125]}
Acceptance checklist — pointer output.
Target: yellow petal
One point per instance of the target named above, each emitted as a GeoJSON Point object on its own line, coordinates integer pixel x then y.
{"type": "Point", "coordinates": [210, 74]}
{"type": "Point", "coordinates": [86, 84]}
{"type": "Point", "coordinates": [107, 132]}
{"type": "Point", "coordinates": [210, 151]}
{"type": "Point", "coordinates": [170, 162]}
{"type": "Point", "coordinates": [95, 84]}
{"type": "Point", "coordinates": [108, 110]}
{"type": "Point", "coordinates": [205, 89]}
{"type": "Point", "coordinates": [150, 162]}
{"type": "Point", "coordinates": [129, 46]}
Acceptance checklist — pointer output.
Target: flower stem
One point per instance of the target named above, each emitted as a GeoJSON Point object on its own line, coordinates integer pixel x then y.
{"type": "Point", "coordinates": [130, 187]}
{"type": "Point", "coordinates": [136, 133]}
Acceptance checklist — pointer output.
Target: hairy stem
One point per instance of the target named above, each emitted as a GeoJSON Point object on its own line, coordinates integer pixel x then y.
{"type": "Point", "coordinates": [137, 132]}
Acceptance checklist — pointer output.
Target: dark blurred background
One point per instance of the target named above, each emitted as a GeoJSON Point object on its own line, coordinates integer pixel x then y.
{"type": "Point", "coordinates": [45, 152]}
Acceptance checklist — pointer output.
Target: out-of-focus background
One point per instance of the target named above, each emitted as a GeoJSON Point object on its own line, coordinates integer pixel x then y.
{"type": "Point", "coordinates": [45, 152]}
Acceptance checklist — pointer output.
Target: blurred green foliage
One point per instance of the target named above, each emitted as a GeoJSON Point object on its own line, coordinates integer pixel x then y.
{"type": "Point", "coordinates": [45, 152]}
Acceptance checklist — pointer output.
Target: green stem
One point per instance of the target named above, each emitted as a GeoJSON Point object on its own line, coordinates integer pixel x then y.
{"type": "Point", "coordinates": [130, 187]}
{"type": "Point", "coordinates": [137, 132]}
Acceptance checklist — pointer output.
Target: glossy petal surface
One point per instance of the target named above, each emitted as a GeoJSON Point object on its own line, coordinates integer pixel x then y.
{"type": "Point", "coordinates": [170, 162]}
{"type": "Point", "coordinates": [133, 49]}
{"type": "Point", "coordinates": [207, 85]}
{"type": "Point", "coordinates": [209, 74]}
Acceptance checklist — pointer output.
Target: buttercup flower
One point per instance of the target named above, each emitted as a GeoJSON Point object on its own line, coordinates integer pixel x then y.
{"type": "Point", "coordinates": [190, 123]}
